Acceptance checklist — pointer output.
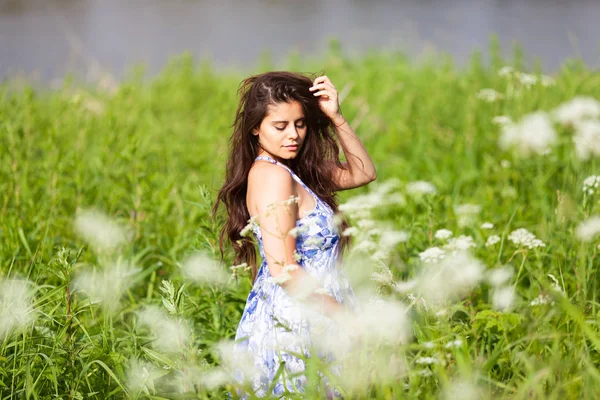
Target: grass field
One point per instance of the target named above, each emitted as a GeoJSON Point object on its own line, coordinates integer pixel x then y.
{"type": "Point", "coordinates": [150, 155]}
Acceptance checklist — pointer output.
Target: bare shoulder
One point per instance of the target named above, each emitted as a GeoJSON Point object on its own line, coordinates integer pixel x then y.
{"type": "Point", "coordinates": [268, 183]}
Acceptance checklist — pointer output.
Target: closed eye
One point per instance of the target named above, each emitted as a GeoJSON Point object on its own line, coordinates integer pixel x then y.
{"type": "Point", "coordinates": [302, 125]}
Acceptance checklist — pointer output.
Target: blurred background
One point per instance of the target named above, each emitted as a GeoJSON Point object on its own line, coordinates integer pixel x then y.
{"type": "Point", "coordinates": [45, 39]}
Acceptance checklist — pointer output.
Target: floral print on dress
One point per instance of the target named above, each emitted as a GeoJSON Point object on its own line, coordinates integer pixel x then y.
{"type": "Point", "coordinates": [272, 322]}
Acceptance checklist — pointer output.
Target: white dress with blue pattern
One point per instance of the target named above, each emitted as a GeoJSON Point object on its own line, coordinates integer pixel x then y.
{"type": "Point", "coordinates": [271, 318]}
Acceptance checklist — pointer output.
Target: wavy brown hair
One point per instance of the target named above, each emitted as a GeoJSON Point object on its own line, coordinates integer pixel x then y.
{"type": "Point", "coordinates": [312, 164]}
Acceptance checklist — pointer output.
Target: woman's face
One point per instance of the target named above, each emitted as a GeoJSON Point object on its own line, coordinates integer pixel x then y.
{"type": "Point", "coordinates": [282, 131]}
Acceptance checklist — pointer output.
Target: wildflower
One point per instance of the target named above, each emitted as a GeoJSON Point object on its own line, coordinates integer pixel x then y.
{"type": "Point", "coordinates": [297, 256]}
{"type": "Point", "coordinates": [489, 95]}
{"type": "Point", "coordinates": [501, 120]}
{"type": "Point", "coordinates": [547, 81]}
{"type": "Point", "coordinates": [426, 360]}
{"type": "Point", "coordinates": [576, 110]}
{"type": "Point", "coordinates": [291, 200]}
{"type": "Point", "coordinates": [533, 134]}
{"type": "Point", "coordinates": [201, 268]}
{"type": "Point", "coordinates": [522, 237]}
{"type": "Point", "coordinates": [432, 255]}
{"type": "Point", "coordinates": [351, 231]}
{"type": "Point", "coordinates": [141, 376]}
{"type": "Point", "coordinates": [487, 225]}
{"type": "Point", "coordinates": [492, 240]}
{"type": "Point", "coordinates": [443, 234]}
{"type": "Point", "coordinates": [248, 228]}
{"type": "Point", "coordinates": [526, 80]}
{"type": "Point", "coordinates": [450, 278]}
{"type": "Point", "coordinates": [16, 308]}
{"type": "Point", "coordinates": [420, 188]}
{"type": "Point", "coordinates": [499, 276]}
{"type": "Point", "coordinates": [590, 184]}
{"type": "Point", "coordinates": [428, 345]}
{"type": "Point", "coordinates": [299, 230]}
{"type": "Point", "coordinates": [541, 299]}
{"type": "Point", "coordinates": [505, 164]}
{"type": "Point", "coordinates": [503, 298]}
{"type": "Point", "coordinates": [289, 267]}
{"type": "Point", "coordinates": [106, 286]}
{"type": "Point", "coordinates": [390, 238]}
{"type": "Point", "coordinates": [555, 284]}
{"type": "Point", "coordinates": [282, 277]}
{"type": "Point", "coordinates": [383, 277]}
{"type": "Point", "coordinates": [453, 343]}
{"type": "Point", "coordinates": [508, 192]}
{"type": "Point", "coordinates": [588, 229]}
{"type": "Point", "coordinates": [425, 372]}
{"type": "Point", "coordinates": [587, 139]}
{"type": "Point", "coordinates": [171, 334]}
{"type": "Point", "coordinates": [314, 241]}
{"type": "Point", "coordinates": [463, 242]}
{"type": "Point", "coordinates": [466, 213]}
{"type": "Point", "coordinates": [506, 71]}
{"type": "Point", "coordinates": [100, 231]}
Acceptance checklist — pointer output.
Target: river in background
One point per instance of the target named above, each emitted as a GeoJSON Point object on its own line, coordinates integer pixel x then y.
{"type": "Point", "coordinates": [45, 39]}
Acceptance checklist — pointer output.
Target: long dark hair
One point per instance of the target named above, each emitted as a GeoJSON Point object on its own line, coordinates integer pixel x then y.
{"type": "Point", "coordinates": [320, 145]}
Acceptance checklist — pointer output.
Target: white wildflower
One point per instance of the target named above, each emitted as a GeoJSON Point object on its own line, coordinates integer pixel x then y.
{"type": "Point", "coordinates": [466, 213]}
{"type": "Point", "coordinates": [390, 238]}
{"type": "Point", "coordinates": [556, 284]}
{"type": "Point", "coordinates": [383, 277]}
{"type": "Point", "coordinates": [492, 240]}
{"type": "Point", "coordinates": [105, 286]}
{"type": "Point", "coordinates": [487, 225]}
{"type": "Point", "coordinates": [141, 376]}
{"type": "Point", "coordinates": [314, 241]}
{"type": "Point", "coordinates": [506, 71]}
{"type": "Point", "coordinates": [420, 188]}
{"type": "Point", "coordinates": [523, 238]}
{"type": "Point", "coordinates": [428, 345]}
{"type": "Point", "coordinates": [299, 230]}
{"type": "Point", "coordinates": [505, 164]}
{"type": "Point", "coordinates": [365, 224]}
{"type": "Point", "coordinates": [501, 120]}
{"type": "Point", "coordinates": [499, 276]}
{"type": "Point", "coordinates": [547, 80]}
{"type": "Point", "coordinates": [534, 134]}
{"type": "Point", "coordinates": [297, 256]}
{"type": "Point", "coordinates": [289, 267]}
{"type": "Point", "coordinates": [248, 228]}
{"type": "Point", "coordinates": [200, 268]}
{"type": "Point", "coordinates": [588, 229]}
{"type": "Point", "coordinates": [351, 231]}
{"type": "Point", "coordinates": [591, 184]}
{"type": "Point", "coordinates": [100, 231]}
{"type": "Point", "coordinates": [577, 109]}
{"type": "Point", "coordinates": [454, 343]}
{"type": "Point", "coordinates": [432, 255]}
{"type": "Point", "coordinates": [526, 80]}
{"type": "Point", "coordinates": [587, 139]}
{"type": "Point", "coordinates": [170, 334]}
{"type": "Point", "coordinates": [426, 360]}
{"type": "Point", "coordinates": [463, 390]}
{"type": "Point", "coordinates": [503, 298]}
{"type": "Point", "coordinates": [453, 277]}
{"type": "Point", "coordinates": [16, 308]}
{"type": "Point", "coordinates": [489, 95]}
{"type": "Point", "coordinates": [443, 234]}
{"type": "Point", "coordinates": [541, 299]}
{"type": "Point", "coordinates": [291, 200]}
{"type": "Point", "coordinates": [282, 277]}
{"type": "Point", "coordinates": [462, 242]}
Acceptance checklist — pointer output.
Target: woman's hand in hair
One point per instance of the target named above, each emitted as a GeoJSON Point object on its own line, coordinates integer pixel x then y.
{"type": "Point", "coordinates": [328, 98]}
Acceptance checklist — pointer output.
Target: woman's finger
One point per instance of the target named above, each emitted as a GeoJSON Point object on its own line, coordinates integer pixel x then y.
{"type": "Point", "coordinates": [322, 92]}
{"type": "Point", "coordinates": [322, 86]}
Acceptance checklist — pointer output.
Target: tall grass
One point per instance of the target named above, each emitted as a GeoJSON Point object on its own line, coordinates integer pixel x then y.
{"type": "Point", "coordinates": [151, 155]}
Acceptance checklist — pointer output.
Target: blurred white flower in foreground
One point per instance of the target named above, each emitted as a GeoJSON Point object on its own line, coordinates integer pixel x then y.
{"type": "Point", "coordinates": [588, 229]}
{"type": "Point", "coordinates": [591, 184]}
{"type": "Point", "coordinates": [463, 390]}
{"type": "Point", "coordinates": [16, 309]}
{"type": "Point", "coordinates": [587, 139]}
{"type": "Point", "coordinates": [526, 80]}
{"type": "Point", "coordinates": [451, 278]}
{"type": "Point", "coordinates": [462, 242]}
{"type": "Point", "coordinates": [443, 234]}
{"type": "Point", "coordinates": [534, 134]}
{"type": "Point", "coordinates": [506, 71]}
{"type": "Point", "coordinates": [503, 298]}
{"type": "Point", "coordinates": [420, 188]}
{"type": "Point", "coordinates": [141, 376]}
{"type": "Point", "coordinates": [432, 255]}
{"type": "Point", "coordinates": [99, 230]}
{"type": "Point", "coordinates": [487, 225]}
{"type": "Point", "coordinates": [489, 95]}
{"type": "Point", "coordinates": [577, 109]}
{"type": "Point", "coordinates": [499, 276]}
{"type": "Point", "coordinates": [523, 238]}
{"type": "Point", "coordinates": [106, 285]}
{"type": "Point", "coordinates": [200, 268]}
{"type": "Point", "coordinates": [171, 334]}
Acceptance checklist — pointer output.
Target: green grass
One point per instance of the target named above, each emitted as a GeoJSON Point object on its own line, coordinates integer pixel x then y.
{"type": "Point", "coordinates": [151, 154]}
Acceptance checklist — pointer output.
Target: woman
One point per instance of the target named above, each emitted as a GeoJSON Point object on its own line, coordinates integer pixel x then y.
{"type": "Point", "coordinates": [281, 177]}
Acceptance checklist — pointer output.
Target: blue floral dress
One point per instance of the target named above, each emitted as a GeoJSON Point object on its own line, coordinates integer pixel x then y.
{"type": "Point", "coordinates": [272, 321]}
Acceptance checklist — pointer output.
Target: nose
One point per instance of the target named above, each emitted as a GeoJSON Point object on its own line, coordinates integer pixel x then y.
{"type": "Point", "coordinates": [293, 132]}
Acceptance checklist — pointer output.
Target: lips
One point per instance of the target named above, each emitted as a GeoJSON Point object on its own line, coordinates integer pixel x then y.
{"type": "Point", "coordinates": [292, 147]}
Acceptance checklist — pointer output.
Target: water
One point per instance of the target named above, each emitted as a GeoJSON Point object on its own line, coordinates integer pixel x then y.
{"type": "Point", "coordinates": [46, 38]}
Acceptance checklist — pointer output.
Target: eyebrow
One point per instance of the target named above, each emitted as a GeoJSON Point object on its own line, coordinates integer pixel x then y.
{"type": "Point", "coordinates": [276, 122]}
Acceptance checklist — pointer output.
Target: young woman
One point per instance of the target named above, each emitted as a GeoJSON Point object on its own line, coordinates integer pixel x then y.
{"type": "Point", "coordinates": [281, 177]}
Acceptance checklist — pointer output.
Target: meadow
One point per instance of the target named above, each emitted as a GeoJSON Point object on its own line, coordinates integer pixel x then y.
{"type": "Point", "coordinates": [480, 230]}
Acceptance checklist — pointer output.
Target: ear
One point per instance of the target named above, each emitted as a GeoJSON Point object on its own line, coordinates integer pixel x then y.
{"type": "Point", "coordinates": [255, 132]}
